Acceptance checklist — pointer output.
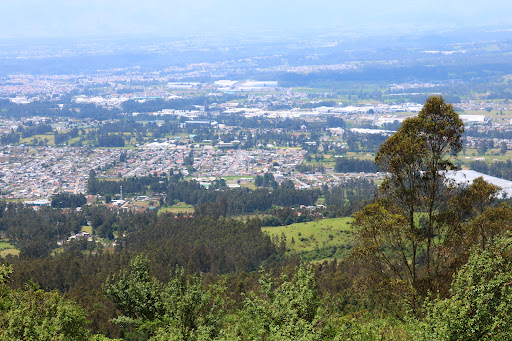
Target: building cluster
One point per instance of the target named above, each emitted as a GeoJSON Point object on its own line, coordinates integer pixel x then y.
{"type": "Point", "coordinates": [39, 172]}
{"type": "Point", "coordinates": [236, 162]}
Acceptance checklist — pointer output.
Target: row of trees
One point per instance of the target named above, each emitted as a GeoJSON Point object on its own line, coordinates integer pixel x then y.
{"type": "Point", "coordinates": [32, 130]}
{"type": "Point", "coordinates": [265, 180]}
{"type": "Point", "coordinates": [52, 109]}
{"type": "Point", "coordinates": [348, 197]}
{"type": "Point", "coordinates": [238, 200]}
{"type": "Point", "coordinates": [500, 169]}
{"type": "Point", "coordinates": [111, 140]}
{"type": "Point", "coordinates": [351, 165]}
{"type": "Point", "coordinates": [131, 186]}
{"type": "Point", "coordinates": [63, 200]}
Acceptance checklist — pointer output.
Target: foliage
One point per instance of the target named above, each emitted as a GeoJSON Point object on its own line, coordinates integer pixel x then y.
{"type": "Point", "coordinates": [383, 244]}
{"type": "Point", "coordinates": [182, 308]}
{"type": "Point", "coordinates": [286, 311]}
{"type": "Point", "coordinates": [267, 180]}
{"type": "Point", "coordinates": [135, 294]}
{"type": "Point", "coordinates": [33, 314]}
{"type": "Point", "coordinates": [399, 247]}
{"type": "Point", "coordinates": [239, 200]}
{"type": "Point", "coordinates": [202, 244]}
{"type": "Point", "coordinates": [35, 233]}
{"type": "Point", "coordinates": [110, 140]}
{"type": "Point", "coordinates": [369, 328]}
{"type": "Point", "coordinates": [481, 301]}
{"type": "Point", "coordinates": [351, 165]}
{"type": "Point", "coordinates": [500, 169]}
{"type": "Point", "coordinates": [63, 200]}
{"type": "Point", "coordinates": [348, 197]}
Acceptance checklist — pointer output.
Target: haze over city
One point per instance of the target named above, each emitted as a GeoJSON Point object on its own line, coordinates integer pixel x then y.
{"type": "Point", "coordinates": [98, 18]}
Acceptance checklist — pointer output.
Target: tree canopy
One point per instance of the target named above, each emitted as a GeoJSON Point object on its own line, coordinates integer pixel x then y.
{"type": "Point", "coordinates": [403, 232]}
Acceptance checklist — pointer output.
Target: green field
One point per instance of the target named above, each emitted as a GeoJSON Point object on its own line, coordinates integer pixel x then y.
{"type": "Point", "coordinates": [360, 155]}
{"type": "Point", "coordinates": [490, 156]}
{"type": "Point", "coordinates": [249, 185]}
{"type": "Point", "coordinates": [316, 240]}
{"type": "Point", "coordinates": [87, 228]}
{"type": "Point", "coordinates": [227, 178]}
{"type": "Point", "coordinates": [246, 217]}
{"type": "Point", "coordinates": [12, 252]}
{"type": "Point", "coordinates": [42, 137]}
{"type": "Point", "coordinates": [180, 207]}
{"type": "Point", "coordinates": [8, 249]}
{"type": "Point", "coordinates": [497, 115]}
{"type": "Point", "coordinates": [6, 245]}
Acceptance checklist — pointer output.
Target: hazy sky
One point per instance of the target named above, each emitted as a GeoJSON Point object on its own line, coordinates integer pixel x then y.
{"type": "Point", "coordinates": [96, 18]}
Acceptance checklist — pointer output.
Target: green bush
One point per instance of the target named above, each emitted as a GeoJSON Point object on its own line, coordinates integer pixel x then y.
{"type": "Point", "coordinates": [481, 303]}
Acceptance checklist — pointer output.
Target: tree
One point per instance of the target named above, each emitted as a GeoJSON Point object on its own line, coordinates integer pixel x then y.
{"type": "Point", "coordinates": [415, 192]}
{"type": "Point", "coordinates": [136, 294]}
{"type": "Point", "coordinates": [503, 148]}
{"type": "Point", "coordinates": [481, 301]}
{"type": "Point", "coordinates": [493, 222]}
{"type": "Point", "coordinates": [385, 243]}
{"type": "Point", "coordinates": [180, 310]}
{"type": "Point", "coordinates": [472, 220]}
{"type": "Point", "coordinates": [286, 311]}
{"type": "Point", "coordinates": [64, 200]}
{"type": "Point", "coordinates": [191, 312]}
{"type": "Point", "coordinates": [92, 183]}
{"type": "Point", "coordinates": [33, 314]}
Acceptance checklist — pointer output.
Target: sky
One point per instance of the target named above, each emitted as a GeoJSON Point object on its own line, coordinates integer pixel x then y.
{"type": "Point", "coordinates": [105, 18]}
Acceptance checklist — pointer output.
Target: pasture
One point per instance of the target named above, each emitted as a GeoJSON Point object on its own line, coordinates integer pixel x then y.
{"type": "Point", "coordinates": [316, 240]}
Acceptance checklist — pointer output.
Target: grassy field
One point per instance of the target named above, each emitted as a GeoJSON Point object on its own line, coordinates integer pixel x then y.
{"type": "Point", "coordinates": [73, 140]}
{"type": "Point", "coordinates": [360, 155]}
{"type": "Point", "coordinates": [13, 252]}
{"type": "Point", "coordinates": [180, 207]}
{"type": "Point", "coordinates": [87, 229]}
{"type": "Point", "coordinates": [249, 216]}
{"type": "Point", "coordinates": [316, 240]}
{"type": "Point", "coordinates": [8, 249]}
{"type": "Point", "coordinates": [227, 178]}
{"type": "Point", "coordinates": [249, 185]}
{"type": "Point", "coordinates": [6, 245]}
{"type": "Point", "coordinates": [491, 156]}
{"type": "Point", "coordinates": [42, 137]}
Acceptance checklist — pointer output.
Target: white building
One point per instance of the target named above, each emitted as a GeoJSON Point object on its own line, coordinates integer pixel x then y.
{"type": "Point", "coordinates": [467, 177]}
